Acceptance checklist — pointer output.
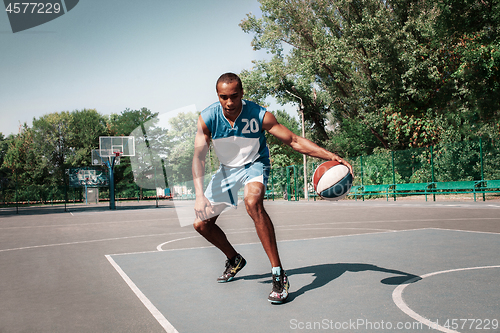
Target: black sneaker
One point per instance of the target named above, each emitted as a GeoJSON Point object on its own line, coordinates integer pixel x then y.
{"type": "Point", "coordinates": [280, 288]}
{"type": "Point", "coordinates": [232, 268]}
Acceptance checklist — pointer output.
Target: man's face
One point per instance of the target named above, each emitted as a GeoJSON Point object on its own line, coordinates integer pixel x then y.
{"type": "Point", "coordinates": [230, 98]}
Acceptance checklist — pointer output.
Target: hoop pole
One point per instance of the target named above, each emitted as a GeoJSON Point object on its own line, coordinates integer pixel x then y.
{"type": "Point", "coordinates": [482, 165]}
{"type": "Point", "coordinates": [17, 203]}
{"type": "Point", "coordinates": [111, 184]}
{"type": "Point", "coordinates": [65, 197]}
{"type": "Point", "coordinates": [288, 185]}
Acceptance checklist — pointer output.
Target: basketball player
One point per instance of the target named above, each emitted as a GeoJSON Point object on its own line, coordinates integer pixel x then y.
{"type": "Point", "coordinates": [236, 127]}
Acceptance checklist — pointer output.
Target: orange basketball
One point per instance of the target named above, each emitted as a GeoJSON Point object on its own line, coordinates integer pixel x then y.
{"type": "Point", "coordinates": [332, 180]}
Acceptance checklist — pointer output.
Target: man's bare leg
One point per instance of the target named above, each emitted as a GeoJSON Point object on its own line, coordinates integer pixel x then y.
{"type": "Point", "coordinates": [214, 234]}
{"type": "Point", "coordinates": [254, 202]}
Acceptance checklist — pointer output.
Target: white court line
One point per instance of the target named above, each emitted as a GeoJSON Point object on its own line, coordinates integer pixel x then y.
{"type": "Point", "coordinates": [397, 297]}
{"type": "Point", "coordinates": [82, 242]}
{"type": "Point", "coordinates": [304, 227]}
{"type": "Point", "coordinates": [228, 232]}
{"type": "Point", "coordinates": [157, 314]}
{"type": "Point", "coordinates": [281, 241]}
{"type": "Point", "coordinates": [386, 204]}
{"type": "Point", "coordinates": [470, 231]}
{"type": "Point", "coordinates": [402, 221]}
{"type": "Point", "coordinates": [309, 224]}
{"type": "Point", "coordinates": [160, 247]}
{"type": "Point", "coordinates": [147, 303]}
{"type": "Point", "coordinates": [86, 224]}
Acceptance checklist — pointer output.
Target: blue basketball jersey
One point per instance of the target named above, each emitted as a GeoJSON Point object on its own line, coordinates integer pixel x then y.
{"type": "Point", "coordinates": [242, 143]}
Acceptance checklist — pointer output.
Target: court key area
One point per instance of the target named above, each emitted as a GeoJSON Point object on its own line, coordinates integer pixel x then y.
{"type": "Point", "coordinates": [370, 266]}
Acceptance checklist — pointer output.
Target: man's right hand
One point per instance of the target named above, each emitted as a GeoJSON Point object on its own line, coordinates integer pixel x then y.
{"type": "Point", "coordinates": [203, 208]}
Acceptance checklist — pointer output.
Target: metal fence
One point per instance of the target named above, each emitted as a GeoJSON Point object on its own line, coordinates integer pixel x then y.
{"type": "Point", "coordinates": [461, 161]}
{"type": "Point", "coordinates": [17, 197]}
{"type": "Point", "coordinates": [468, 160]}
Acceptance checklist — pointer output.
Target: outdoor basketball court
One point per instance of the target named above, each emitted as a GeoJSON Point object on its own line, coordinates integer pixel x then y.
{"type": "Point", "coordinates": [370, 266]}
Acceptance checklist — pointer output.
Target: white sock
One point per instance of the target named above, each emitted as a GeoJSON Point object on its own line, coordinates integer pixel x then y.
{"type": "Point", "coordinates": [276, 270]}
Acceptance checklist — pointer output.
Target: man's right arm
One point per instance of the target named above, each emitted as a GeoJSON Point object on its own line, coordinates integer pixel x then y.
{"type": "Point", "coordinates": [202, 208]}
{"type": "Point", "coordinates": [298, 143]}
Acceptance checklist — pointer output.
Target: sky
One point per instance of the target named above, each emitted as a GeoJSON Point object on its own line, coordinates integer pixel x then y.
{"type": "Point", "coordinates": [116, 54]}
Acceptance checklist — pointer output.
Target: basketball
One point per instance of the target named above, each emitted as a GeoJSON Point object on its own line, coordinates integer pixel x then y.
{"type": "Point", "coordinates": [332, 180]}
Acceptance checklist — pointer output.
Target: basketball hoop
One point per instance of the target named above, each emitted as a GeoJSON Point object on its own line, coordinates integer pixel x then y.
{"type": "Point", "coordinates": [116, 157]}
{"type": "Point", "coordinates": [111, 148]}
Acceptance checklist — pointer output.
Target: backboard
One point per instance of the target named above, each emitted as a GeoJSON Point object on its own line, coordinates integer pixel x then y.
{"type": "Point", "coordinates": [109, 145]}
{"type": "Point", "coordinates": [88, 176]}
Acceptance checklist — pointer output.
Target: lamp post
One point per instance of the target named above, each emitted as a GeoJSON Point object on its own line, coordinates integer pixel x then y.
{"type": "Point", "coordinates": [301, 109]}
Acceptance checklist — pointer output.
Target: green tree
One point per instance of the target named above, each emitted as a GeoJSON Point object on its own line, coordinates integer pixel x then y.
{"type": "Point", "coordinates": [151, 151]}
{"type": "Point", "coordinates": [85, 128]}
{"type": "Point", "coordinates": [5, 172]}
{"type": "Point", "coordinates": [376, 70]}
{"type": "Point", "coordinates": [128, 120]}
{"type": "Point", "coordinates": [124, 124]}
{"type": "Point", "coordinates": [52, 139]}
{"type": "Point", "coordinates": [471, 31]}
{"type": "Point", "coordinates": [181, 142]}
{"type": "Point", "coordinates": [24, 159]}
{"type": "Point", "coordinates": [281, 154]}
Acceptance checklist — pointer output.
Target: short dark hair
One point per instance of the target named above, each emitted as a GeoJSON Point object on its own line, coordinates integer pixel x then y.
{"type": "Point", "coordinates": [227, 78]}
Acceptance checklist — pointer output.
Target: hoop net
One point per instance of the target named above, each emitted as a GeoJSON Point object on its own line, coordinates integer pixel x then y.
{"type": "Point", "coordinates": [117, 157]}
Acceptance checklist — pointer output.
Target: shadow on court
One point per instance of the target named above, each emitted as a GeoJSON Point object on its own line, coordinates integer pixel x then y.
{"type": "Point", "coordinates": [97, 270]}
{"type": "Point", "coordinates": [360, 287]}
{"type": "Point", "coordinates": [325, 273]}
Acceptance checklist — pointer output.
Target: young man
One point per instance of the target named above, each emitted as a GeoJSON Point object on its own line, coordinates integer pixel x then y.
{"type": "Point", "coordinates": [237, 129]}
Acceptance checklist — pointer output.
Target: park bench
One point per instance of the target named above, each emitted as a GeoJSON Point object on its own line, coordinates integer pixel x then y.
{"type": "Point", "coordinates": [269, 195]}
{"type": "Point", "coordinates": [411, 189]}
{"type": "Point", "coordinates": [465, 186]}
{"type": "Point", "coordinates": [489, 186]}
{"type": "Point", "coordinates": [312, 194]}
{"type": "Point", "coordinates": [376, 190]}
{"type": "Point", "coordinates": [356, 191]}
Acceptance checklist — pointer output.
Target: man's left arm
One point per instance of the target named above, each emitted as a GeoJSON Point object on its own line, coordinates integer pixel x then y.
{"type": "Point", "coordinates": [298, 143]}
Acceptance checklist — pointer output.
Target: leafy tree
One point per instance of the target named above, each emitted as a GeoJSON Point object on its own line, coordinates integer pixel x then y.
{"type": "Point", "coordinates": [52, 139]}
{"type": "Point", "coordinates": [85, 128]}
{"type": "Point", "coordinates": [471, 31]}
{"type": "Point", "coordinates": [378, 168]}
{"type": "Point", "coordinates": [24, 159]}
{"type": "Point", "coordinates": [457, 161]}
{"type": "Point", "coordinates": [57, 141]}
{"type": "Point", "coordinates": [491, 158]}
{"type": "Point", "coordinates": [281, 154]}
{"type": "Point", "coordinates": [5, 173]}
{"type": "Point", "coordinates": [181, 141]}
{"type": "Point", "coordinates": [128, 120]}
{"type": "Point", "coordinates": [379, 73]}
{"type": "Point", "coordinates": [124, 124]}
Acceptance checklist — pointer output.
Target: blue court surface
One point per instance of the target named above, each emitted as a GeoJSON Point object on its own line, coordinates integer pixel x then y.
{"type": "Point", "coordinates": [343, 283]}
{"type": "Point", "coordinates": [372, 266]}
